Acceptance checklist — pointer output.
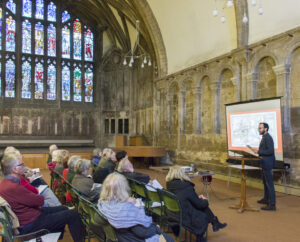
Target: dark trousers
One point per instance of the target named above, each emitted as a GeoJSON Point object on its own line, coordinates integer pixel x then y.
{"type": "Point", "coordinates": [269, 191]}
{"type": "Point", "coordinates": [54, 219]}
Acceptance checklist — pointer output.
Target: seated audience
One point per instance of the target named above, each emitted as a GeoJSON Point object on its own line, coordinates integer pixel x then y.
{"type": "Point", "coordinates": [69, 173]}
{"type": "Point", "coordinates": [51, 149]}
{"type": "Point", "coordinates": [126, 168]}
{"type": "Point", "coordinates": [96, 156]}
{"type": "Point", "coordinates": [28, 206]}
{"type": "Point", "coordinates": [83, 181]}
{"type": "Point", "coordinates": [61, 161]}
{"type": "Point", "coordinates": [196, 213]}
{"type": "Point", "coordinates": [129, 220]}
{"type": "Point", "coordinates": [108, 160]}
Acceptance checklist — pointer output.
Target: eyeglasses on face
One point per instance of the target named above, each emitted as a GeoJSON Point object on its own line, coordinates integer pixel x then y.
{"type": "Point", "coordinates": [22, 164]}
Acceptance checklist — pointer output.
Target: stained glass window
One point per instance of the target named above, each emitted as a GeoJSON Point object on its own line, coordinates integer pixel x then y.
{"type": "Point", "coordinates": [77, 85]}
{"type": "Point", "coordinates": [0, 28]}
{"type": "Point", "coordinates": [65, 85]}
{"type": "Point", "coordinates": [26, 37]}
{"type": "Point", "coordinates": [51, 13]}
{"type": "Point", "coordinates": [39, 9]}
{"type": "Point", "coordinates": [77, 40]}
{"type": "Point", "coordinates": [26, 80]}
{"type": "Point", "coordinates": [10, 34]}
{"type": "Point", "coordinates": [51, 40]}
{"type": "Point", "coordinates": [88, 45]}
{"type": "Point", "coordinates": [65, 16]}
{"type": "Point", "coordinates": [11, 6]}
{"type": "Point", "coordinates": [88, 85]}
{"type": "Point", "coordinates": [10, 73]}
{"type": "Point", "coordinates": [27, 8]}
{"type": "Point", "coordinates": [51, 82]}
{"type": "Point", "coordinates": [39, 39]}
{"type": "Point", "coordinates": [65, 50]}
{"type": "Point", "coordinates": [38, 81]}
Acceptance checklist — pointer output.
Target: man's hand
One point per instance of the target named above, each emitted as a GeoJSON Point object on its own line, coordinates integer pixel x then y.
{"type": "Point", "coordinates": [202, 197]}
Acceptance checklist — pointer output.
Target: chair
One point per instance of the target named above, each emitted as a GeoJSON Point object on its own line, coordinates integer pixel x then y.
{"type": "Point", "coordinates": [100, 220]}
{"type": "Point", "coordinates": [87, 211]}
{"type": "Point", "coordinates": [7, 232]}
{"type": "Point", "coordinates": [154, 197]}
{"type": "Point", "coordinates": [172, 206]}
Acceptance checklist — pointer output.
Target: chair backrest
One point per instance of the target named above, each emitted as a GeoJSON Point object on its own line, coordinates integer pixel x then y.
{"type": "Point", "coordinates": [153, 195]}
{"type": "Point", "coordinates": [101, 220]}
{"type": "Point", "coordinates": [131, 185]}
{"type": "Point", "coordinates": [6, 224]}
{"type": "Point", "coordinates": [170, 201]}
{"type": "Point", "coordinates": [140, 189]}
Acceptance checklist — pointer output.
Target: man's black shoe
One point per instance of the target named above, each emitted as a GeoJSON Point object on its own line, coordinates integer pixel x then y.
{"type": "Point", "coordinates": [262, 201]}
{"type": "Point", "coordinates": [269, 208]}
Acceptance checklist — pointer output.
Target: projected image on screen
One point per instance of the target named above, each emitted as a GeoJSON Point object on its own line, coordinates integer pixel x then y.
{"type": "Point", "coordinates": [244, 128]}
{"type": "Point", "coordinates": [243, 119]}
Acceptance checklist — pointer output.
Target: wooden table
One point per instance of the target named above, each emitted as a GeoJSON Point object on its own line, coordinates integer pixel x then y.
{"type": "Point", "coordinates": [243, 205]}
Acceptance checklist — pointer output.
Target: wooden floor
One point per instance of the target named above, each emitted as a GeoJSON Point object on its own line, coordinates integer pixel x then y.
{"type": "Point", "coordinates": [263, 226]}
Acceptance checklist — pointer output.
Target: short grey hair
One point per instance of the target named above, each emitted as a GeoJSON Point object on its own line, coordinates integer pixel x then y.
{"type": "Point", "coordinates": [82, 165]}
{"type": "Point", "coordinates": [52, 148]}
{"type": "Point", "coordinates": [9, 162]}
{"type": "Point", "coordinates": [73, 161]}
{"type": "Point", "coordinates": [123, 164]}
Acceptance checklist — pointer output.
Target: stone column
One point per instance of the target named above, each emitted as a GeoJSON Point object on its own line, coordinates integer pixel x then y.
{"type": "Point", "coordinates": [283, 89]}
{"type": "Point", "coordinates": [170, 97]}
{"type": "Point", "coordinates": [215, 106]}
{"type": "Point", "coordinates": [236, 83]}
{"type": "Point", "coordinates": [181, 112]}
{"type": "Point", "coordinates": [197, 110]}
{"type": "Point", "coordinates": [251, 79]}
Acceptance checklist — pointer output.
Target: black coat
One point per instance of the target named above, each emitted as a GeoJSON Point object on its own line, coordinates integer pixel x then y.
{"type": "Point", "coordinates": [192, 206]}
{"type": "Point", "coordinates": [266, 151]}
{"type": "Point", "coordinates": [137, 233]}
{"type": "Point", "coordinates": [141, 177]}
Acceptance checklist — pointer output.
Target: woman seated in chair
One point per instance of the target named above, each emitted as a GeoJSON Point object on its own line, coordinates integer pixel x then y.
{"type": "Point", "coordinates": [62, 161]}
{"type": "Point", "coordinates": [196, 214]}
{"type": "Point", "coordinates": [83, 181]}
{"type": "Point", "coordinates": [129, 220]}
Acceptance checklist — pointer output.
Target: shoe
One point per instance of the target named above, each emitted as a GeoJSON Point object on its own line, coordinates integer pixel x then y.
{"type": "Point", "coordinates": [269, 208]}
{"type": "Point", "coordinates": [262, 201]}
{"type": "Point", "coordinates": [217, 225]}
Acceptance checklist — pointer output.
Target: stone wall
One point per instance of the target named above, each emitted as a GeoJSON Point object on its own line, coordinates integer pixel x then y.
{"type": "Point", "coordinates": [189, 105]}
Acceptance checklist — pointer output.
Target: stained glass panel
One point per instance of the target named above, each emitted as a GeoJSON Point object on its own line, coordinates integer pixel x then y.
{"type": "Point", "coordinates": [10, 34]}
{"type": "Point", "coordinates": [65, 50]}
{"type": "Point", "coordinates": [11, 6]}
{"type": "Point", "coordinates": [26, 80]}
{"type": "Point", "coordinates": [38, 81]}
{"type": "Point", "coordinates": [51, 13]}
{"type": "Point", "coordinates": [65, 86]}
{"type": "Point", "coordinates": [88, 85]}
{"type": "Point", "coordinates": [51, 40]}
{"type": "Point", "coordinates": [10, 74]}
{"type": "Point", "coordinates": [39, 9]}
{"type": "Point", "coordinates": [77, 85]}
{"type": "Point", "coordinates": [51, 83]}
{"type": "Point", "coordinates": [26, 37]}
{"type": "Point", "coordinates": [88, 45]}
{"type": "Point", "coordinates": [39, 39]}
{"type": "Point", "coordinates": [0, 28]}
{"type": "Point", "coordinates": [27, 8]}
{"type": "Point", "coordinates": [65, 16]}
{"type": "Point", "coordinates": [77, 40]}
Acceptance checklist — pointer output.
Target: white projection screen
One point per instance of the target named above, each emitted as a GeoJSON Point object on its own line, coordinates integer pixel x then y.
{"type": "Point", "coordinates": [242, 120]}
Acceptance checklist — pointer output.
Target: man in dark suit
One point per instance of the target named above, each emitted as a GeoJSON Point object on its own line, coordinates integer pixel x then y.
{"type": "Point", "coordinates": [266, 152]}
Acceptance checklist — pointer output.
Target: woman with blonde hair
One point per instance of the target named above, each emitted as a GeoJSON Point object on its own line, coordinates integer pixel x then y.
{"type": "Point", "coordinates": [121, 210]}
{"type": "Point", "coordinates": [61, 161]}
{"type": "Point", "coordinates": [108, 160]}
{"type": "Point", "coordinates": [196, 213]}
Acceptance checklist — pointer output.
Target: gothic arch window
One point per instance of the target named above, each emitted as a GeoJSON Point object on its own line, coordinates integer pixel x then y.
{"type": "Point", "coordinates": [46, 54]}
